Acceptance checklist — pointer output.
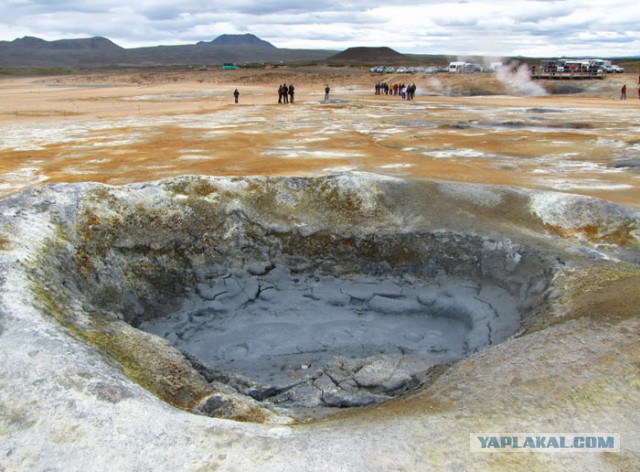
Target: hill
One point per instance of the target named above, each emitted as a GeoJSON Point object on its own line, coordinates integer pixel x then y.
{"type": "Point", "coordinates": [240, 40]}
{"type": "Point", "coordinates": [369, 55]}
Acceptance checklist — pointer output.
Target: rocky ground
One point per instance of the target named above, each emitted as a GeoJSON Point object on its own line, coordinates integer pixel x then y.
{"type": "Point", "coordinates": [450, 249]}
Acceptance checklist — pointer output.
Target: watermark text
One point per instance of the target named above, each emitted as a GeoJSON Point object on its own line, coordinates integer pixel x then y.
{"type": "Point", "coordinates": [544, 442]}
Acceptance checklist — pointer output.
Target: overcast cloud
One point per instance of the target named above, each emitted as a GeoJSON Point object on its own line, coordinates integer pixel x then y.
{"type": "Point", "coordinates": [490, 27]}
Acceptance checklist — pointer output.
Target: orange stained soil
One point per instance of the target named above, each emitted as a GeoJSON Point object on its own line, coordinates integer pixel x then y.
{"type": "Point", "coordinates": [119, 128]}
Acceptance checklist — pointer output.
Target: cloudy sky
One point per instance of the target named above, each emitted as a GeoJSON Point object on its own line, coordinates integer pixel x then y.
{"type": "Point", "coordinates": [490, 27]}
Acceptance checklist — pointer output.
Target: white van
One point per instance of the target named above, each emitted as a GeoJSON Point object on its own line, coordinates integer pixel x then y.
{"type": "Point", "coordinates": [457, 67]}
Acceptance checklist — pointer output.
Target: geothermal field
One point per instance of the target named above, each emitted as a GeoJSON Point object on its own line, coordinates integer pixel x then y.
{"type": "Point", "coordinates": [354, 283]}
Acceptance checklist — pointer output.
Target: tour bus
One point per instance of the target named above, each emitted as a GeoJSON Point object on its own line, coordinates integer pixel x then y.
{"type": "Point", "coordinates": [572, 65]}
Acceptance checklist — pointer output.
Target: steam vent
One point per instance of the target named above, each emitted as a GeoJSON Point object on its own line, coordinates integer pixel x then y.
{"type": "Point", "coordinates": [346, 322]}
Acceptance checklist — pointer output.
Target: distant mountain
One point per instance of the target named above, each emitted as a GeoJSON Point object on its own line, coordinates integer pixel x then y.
{"type": "Point", "coordinates": [241, 40]}
{"type": "Point", "coordinates": [101, 52]}
{"type": "Point", "coordinates": [29, 42]}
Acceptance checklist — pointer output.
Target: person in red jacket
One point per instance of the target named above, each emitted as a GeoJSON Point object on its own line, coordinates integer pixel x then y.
{"type": "Point", "coordinates": [623, 92]}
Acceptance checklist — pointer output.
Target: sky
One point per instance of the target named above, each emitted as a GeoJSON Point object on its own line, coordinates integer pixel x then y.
{"type": "Point", "coordinates": [535, 28]}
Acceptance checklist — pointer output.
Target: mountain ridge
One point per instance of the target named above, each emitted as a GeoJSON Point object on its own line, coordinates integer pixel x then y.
{"type": "Point", "coordinates": [98, 51]}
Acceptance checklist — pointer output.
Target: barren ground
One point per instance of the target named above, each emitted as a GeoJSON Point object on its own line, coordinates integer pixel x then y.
{"type": "Point", "coordinates": [122, 127]}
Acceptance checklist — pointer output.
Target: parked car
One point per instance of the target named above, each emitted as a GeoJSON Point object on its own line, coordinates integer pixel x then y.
{"type": "Point", "coordinates": [472, 68]}
{"type": "Point", "coordinates": [607, 68]}
{"type": "Point", "coordinates": [377, 69]}
{"type": "Point", "coordinates": [617, 69]}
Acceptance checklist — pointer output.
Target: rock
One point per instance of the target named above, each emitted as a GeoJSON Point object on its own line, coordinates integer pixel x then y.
{"type": "Point", "coordinates": [302, 395]}
{"type": "Point", "coordinates": [633, 163]}
{"type": "Point", "coordinates": [345, 399]}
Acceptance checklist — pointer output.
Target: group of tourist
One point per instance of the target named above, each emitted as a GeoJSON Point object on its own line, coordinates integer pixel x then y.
{"type": "Point", "coordinates": [406, 92]}
{"type": "Point", "coordinates": [286, 93]}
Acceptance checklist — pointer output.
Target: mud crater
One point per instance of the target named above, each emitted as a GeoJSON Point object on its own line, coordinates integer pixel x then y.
{"type": "Point", "coordinates": [281, 313]}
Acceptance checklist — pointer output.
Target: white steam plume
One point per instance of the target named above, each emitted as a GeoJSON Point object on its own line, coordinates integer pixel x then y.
{"type": "Point", "coordinates": [518, 80]}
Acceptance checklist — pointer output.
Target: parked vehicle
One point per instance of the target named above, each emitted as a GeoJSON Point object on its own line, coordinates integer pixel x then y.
{"type": "Point", "coordinates": [469, 68]}
{"type": "Point", "coordinates": [457, 66]}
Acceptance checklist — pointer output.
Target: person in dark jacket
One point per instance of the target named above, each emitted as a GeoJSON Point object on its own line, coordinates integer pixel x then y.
{"type": "Point", "coordinates": [236, 94]}
{"type": "Point", "coordinates": [292, 90]}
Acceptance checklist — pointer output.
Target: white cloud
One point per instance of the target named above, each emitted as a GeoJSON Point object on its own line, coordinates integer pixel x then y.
{"type": "Point", "coordinates": [498, 27]}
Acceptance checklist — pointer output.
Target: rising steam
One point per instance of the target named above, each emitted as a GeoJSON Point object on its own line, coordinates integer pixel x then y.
{"type": "Point", "coordinates": [517, 80]}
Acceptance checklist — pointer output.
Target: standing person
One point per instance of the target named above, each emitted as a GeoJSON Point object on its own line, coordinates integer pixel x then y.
{"type": "Point", "coordinates": [292, 90]}
{"type": "Point", "coordinates": [285, 93]}
{"type": "Point", "coordinates": [236, 94]}
{"type": "Point", "coordinates": [280, 94]}
{"type": "Point", "coordinates": [326, 92]}
{"type": "Point", "coordinates": [623, 92]}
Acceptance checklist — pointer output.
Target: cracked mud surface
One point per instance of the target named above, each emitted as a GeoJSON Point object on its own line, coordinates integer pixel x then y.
{"type": "Point", "coordinates": [307, 341]}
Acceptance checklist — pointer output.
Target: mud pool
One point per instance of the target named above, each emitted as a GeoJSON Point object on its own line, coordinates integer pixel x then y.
{"type": "Point", "coordinates": [316, 340]}
{"type": "Point", "coordinates": [270, 293]}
